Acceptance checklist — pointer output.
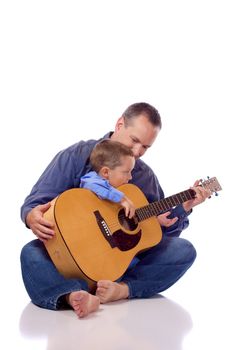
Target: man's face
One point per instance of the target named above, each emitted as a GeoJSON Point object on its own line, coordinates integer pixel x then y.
{"type": "Point", "coordinates": [139, 135]}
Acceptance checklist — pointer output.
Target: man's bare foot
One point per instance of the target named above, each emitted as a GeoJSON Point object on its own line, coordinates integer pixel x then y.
{"type": "Point", "coordinates": [83, 303]}
{"type": "Point", "coordinates": [111, 291]}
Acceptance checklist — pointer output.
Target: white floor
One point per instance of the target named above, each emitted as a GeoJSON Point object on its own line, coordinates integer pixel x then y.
{"type": "Point", "coordinates": [66, 66]}
{"type": "Point", "coordinates": [196, 313]}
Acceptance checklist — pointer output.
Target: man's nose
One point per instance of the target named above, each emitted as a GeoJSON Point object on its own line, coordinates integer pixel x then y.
{"type": "Point", "coordinates": [137, 151]}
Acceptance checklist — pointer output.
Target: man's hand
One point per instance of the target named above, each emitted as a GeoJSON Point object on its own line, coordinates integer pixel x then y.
{"type": "Point", "coordinates": [41, 227]}
{"type": "Point", "coordinates": [165, 221]}
{"type": "Point", "coordinates": [201, 195]}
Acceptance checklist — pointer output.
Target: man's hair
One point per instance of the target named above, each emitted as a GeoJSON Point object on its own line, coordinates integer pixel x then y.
{"type": "Point", "coordinates": [142, 108]}
{"type": "Point", "coordinates": [108, 153]}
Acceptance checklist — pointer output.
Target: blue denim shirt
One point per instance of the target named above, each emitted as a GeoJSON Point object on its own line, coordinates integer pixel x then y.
{"type": "Point", "coordinates": [68, 166]}
{"type": "Point", "coordinates": [100, 186]}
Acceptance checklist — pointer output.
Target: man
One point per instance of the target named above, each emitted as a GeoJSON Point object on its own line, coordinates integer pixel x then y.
{"type": "Point", "coordinates": [153, 271]}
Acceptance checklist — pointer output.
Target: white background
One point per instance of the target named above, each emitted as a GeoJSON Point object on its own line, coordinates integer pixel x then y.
{"type": "Point", "coordinates": [68, 69]}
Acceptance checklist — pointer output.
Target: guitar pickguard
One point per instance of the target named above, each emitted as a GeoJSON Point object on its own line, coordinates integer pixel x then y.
{"type": "Point", "coordinates": [124, 241]}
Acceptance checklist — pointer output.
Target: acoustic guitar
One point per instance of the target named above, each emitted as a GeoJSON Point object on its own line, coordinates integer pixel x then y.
{"type": "Point", "coordinates": [93, 238]}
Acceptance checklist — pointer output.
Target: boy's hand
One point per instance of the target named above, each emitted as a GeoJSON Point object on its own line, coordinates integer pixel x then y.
{"type": "Point", "coordinates": [129, 207]}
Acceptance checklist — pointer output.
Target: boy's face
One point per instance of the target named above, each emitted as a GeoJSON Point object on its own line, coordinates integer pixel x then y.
{"type": "Point", "coordinates": [121, 174]}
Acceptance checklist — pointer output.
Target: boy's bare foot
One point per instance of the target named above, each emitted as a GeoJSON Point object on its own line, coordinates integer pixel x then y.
{"type": "Point", "coordinates": [111, 291]}
{"type": "Point", "coordinates": [82, 302]}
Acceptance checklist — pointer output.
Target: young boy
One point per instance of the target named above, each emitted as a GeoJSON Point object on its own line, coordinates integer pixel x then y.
{"type": "Point", "coordinates": [112, 163]}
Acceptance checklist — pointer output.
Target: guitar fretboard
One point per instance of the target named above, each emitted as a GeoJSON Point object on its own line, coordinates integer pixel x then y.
{"type": "Point", "coordinates": [163, 205]}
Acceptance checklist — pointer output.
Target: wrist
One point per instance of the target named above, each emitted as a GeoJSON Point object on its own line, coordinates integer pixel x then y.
{"type": "Point", "coordinates": [187, 207]}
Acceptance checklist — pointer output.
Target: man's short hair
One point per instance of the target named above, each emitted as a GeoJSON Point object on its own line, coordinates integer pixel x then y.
{"type": "Point", "coordinates": [142, 108]}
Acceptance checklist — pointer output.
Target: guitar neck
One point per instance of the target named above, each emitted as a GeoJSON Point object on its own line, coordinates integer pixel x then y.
{"type": "Point", "coordinates": [163, 205]}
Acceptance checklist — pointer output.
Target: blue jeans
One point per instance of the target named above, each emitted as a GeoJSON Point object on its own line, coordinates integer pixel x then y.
{"type": "Point", "coordinates": [152, 272]}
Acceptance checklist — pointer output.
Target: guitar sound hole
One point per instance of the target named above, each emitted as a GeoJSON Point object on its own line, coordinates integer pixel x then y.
{"type": "Point", "coordinates": [128, 224]}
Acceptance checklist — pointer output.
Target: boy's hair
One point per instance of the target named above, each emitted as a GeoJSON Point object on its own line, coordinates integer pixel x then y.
{"type": "Point", "coordinates": [142, 108]}
{"type": "Point", "coordinates": [108, 153]}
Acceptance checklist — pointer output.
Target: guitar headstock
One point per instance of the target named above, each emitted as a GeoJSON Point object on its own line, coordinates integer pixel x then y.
{"type": "Point", "coordinates": [211, 184]}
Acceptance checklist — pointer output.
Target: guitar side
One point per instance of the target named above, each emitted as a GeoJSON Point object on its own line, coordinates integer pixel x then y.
{"type": "Point", "coordinates": [59, 251]}
{"type": "Point", "coordinates": [81, 250]}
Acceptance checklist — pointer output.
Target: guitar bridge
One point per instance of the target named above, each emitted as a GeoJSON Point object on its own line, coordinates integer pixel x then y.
{"type": "Point", "coordinates": [104, 228]}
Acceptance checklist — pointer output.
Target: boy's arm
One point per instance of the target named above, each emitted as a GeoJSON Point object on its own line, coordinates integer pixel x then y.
{"type": "Point", "coordinates": [101, 188]}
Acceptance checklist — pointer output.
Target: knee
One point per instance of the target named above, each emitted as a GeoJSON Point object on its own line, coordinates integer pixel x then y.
{"type": "Point", "coordinates": [30, 251]}
{"type": "Point", "coordinates": [25, 254]}
{"type": "Point", "coordinates": [189, 251]}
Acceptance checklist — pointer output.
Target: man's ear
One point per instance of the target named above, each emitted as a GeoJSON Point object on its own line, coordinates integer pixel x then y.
{"type": "Point", "coordinates": [104, 172]}
{"type": "Point", "coordinates": [119, 123]}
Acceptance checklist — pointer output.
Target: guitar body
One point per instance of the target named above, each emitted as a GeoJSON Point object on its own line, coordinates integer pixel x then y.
{"type": "Point", "coordinates": [93, 239]}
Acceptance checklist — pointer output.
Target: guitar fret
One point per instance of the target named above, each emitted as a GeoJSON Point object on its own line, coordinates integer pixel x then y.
{"type": "Point", "coordinates": [139, 214]}
{"type": "Point", "coordinates": [142, 214]}
{"type": "Point", "coordinates": [173, 201]}
{"type": "Point", "coordinates": [189, 195]}
{"type": "Point", "coordinates": [177, 200]}
{"type": "Point", "coordinates": [186, 195]}
{"type": "Point", "coordinates": [163, 205]}
{"type": "Point", "coordinates": [151, 211]}
{"type": "Point", "coordinates": [169, 202]}
{"type": "Point", "coordinates": [147, 214]}
{"type": "Point", "coordinates": [166, 201]}
{"type": "Point", "coordinates": [180, 198]}
{"type": "Point", "coordinates": [158, 205]}
{"type": "Point", "coordinates": [155, 208]}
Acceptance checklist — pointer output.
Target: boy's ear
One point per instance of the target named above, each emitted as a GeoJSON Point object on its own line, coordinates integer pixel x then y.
{"type": "Point", "coordinates": [104, 172]}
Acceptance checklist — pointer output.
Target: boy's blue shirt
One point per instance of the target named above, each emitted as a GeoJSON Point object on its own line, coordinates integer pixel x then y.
{"type": "Point", "coordinates": [100, 186]}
